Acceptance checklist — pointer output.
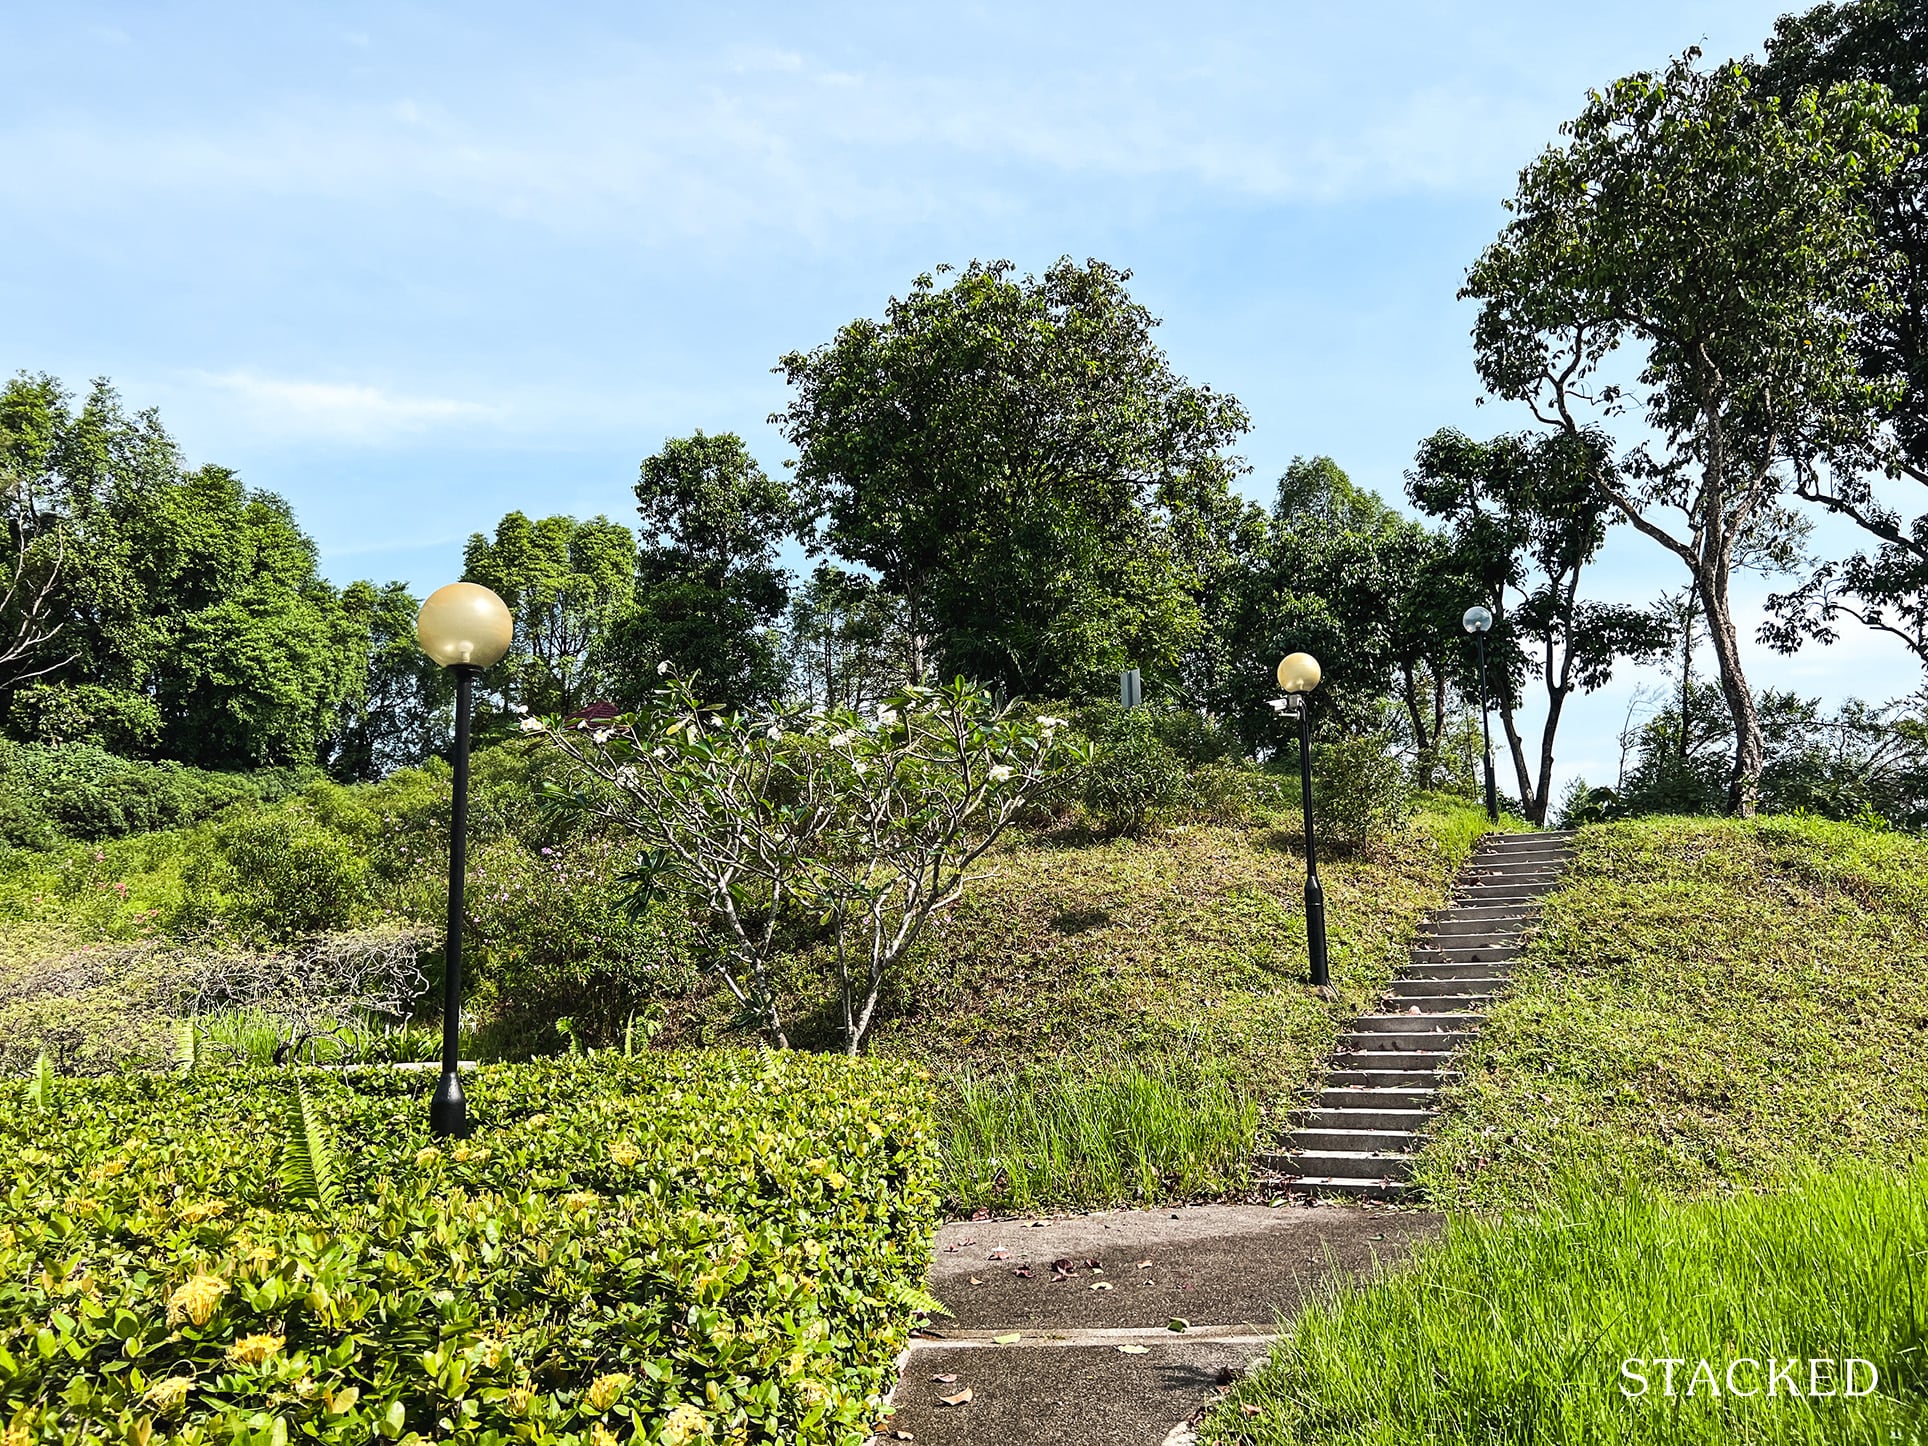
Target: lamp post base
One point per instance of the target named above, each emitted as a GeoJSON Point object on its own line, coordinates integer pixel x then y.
{"type": "Point", "coordinates": [448, 1111]}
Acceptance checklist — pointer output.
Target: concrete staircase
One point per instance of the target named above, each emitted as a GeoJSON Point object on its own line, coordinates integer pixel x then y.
{"type": "Point", "coordinates": [1359, 1134]}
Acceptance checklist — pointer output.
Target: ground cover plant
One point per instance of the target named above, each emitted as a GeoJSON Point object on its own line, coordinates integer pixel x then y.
{"type": "Point", "coordinates": [1708, 1002]}
{"type": "Point", "coordinates": [666, 1249]}
{"type": "Point", "coordinates": [1519, 1329]}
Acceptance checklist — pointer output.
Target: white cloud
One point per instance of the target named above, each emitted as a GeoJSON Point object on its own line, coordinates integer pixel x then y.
{"type": "Point", "coordinates": [340, 412]}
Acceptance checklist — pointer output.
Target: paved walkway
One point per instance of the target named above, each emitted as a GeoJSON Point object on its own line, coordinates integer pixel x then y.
{"type": "Point", "coordinates": [1090, 1301]}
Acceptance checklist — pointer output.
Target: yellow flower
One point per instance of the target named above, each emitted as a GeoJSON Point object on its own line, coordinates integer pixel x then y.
{"type": "Point", "coordinates": [582, 1200]}
{"type": "Point", "coordinates": [625, 1153]}
{"type": "Point", "coordinates": [253, 1350]}
{"type": "Point", "coordinates": [428, 1156]}
{"type": "Point", "coordinates": [601, 1435]}
{"type": "Point", "coordinates": [196, 1299]}
{"type": "Point", "coordinates": [520, 1399]}
{"type": "Point", "coordinates": [536, 1122]}
{"type": "Point", "coordinates": [202, 1210]}
{"type": "Point", "coordinates": [163, 1396]}
{"type": "Point", "coordinates": [685, 1424]}
{"type": "Point", "coordinates": [606, 1390]}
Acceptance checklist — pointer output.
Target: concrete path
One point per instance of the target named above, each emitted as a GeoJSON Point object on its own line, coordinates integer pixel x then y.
{"type": "Point", "coordinates": [1095, 1361]}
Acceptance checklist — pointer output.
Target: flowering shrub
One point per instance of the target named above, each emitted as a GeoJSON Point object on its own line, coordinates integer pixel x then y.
{"type": "Point", "coordinates": [870, 825]}
{"type": "Point", "coordinates": [673, 1249]}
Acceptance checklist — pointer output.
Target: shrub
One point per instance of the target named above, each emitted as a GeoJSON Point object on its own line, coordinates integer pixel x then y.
{"type": "Point", "coordinates": [84, 792]}
{"type": "Point", "coordinates": [677, 1248]}
{"type": "Point", "coordinates": [1361, 790]}
{"type": "Point", "coordinates": [1135, 775]}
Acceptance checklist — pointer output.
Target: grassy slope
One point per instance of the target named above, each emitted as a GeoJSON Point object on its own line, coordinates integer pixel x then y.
{"type": "Point", "coordinates": [1095, 993]}
{"type": "Point", "coordinates": [1515, 1330]}
{"type": "Point", "coordinates": [1710, 1002]}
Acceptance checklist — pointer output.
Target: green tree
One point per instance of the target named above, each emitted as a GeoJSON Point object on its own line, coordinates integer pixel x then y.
{"type": "Point", "coordinates": [566, 582]}
{"type": "Point", "coordinates": [1527, 515]}
{"type": "Point", "coordinates": [709, 587]}
{"type": "Point", "coordinates": [1724, 237]}
{"type": "Point", "coordinates": [844, 640]}
{"type": "Point", "coordinates": [403, 710]}
{"type": "Point", "coordinates": [1886, 587]}
{"type": "Point", "coordinates": [1018, 463]}
{"type": "Point", "coordinates": [1328, 579]}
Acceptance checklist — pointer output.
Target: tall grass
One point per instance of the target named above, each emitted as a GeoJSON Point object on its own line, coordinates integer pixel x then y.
{"type": "Point", "coordinates": [1087, 1134]}
{"type": "Point", "coordinates": [1515, 1330]}
{"type": "Point", "coordinates": [249, 1036]}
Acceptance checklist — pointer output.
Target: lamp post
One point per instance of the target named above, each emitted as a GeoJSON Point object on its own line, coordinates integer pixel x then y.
{"type": "Point", "coordinates": [1298, 676]}
{"type": "Point", "coordinates": [465, 628]}
{"type": "Point", "coordinates": [1476, 621]}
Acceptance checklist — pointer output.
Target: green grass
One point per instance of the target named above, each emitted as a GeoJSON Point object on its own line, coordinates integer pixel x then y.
{"type": "Point", "coordinates": [1097, 1135]}
{"type": "Point", "coordinates": [1516, 1330]}
{"type": "Point", "coordinates": [1710, 1003]}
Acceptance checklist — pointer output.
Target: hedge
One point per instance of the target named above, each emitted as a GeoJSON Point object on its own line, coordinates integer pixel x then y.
{"type": "Point", "coordinates": [691, 1247]}
{"type": "Point", "coordinates": [74, 790]}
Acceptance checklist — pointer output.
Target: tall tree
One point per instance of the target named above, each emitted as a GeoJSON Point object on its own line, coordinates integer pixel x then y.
{"type": "Point", "coordinates": [566, 582]}
{"type": "Point", "coordinates": [1020, 465]}
{"type": "Point", "coordinates": [1527, 515]}
{"type": "Point", "coordinates": [400, 714]}
{"type": "Point", "coordinates": [36, 510]}
{"type": "Point", "coordinates": [1884, 588]}
{"type": "Point", "coordinates": [1327, 580]}
{"type": "Point", "coordinates": [1724, 235]}
{"type": "Point", "coordinates": [845, 640]}
{"type": "Point", "coordinates": [710, 589]}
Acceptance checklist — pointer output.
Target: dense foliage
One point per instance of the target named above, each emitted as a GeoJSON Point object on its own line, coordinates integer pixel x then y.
{"type": "Point", "coordinates": [666, 1250]}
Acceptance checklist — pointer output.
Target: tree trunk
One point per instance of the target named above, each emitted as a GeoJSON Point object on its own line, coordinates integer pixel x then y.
{"type": "Point", "coordinates": [1422, 747]}
{"type": "Point", "coordinates": [1744, 779]}
{"type": "Point", "coordinates": [1555, 702]}
{"type": "Point", "coordinates": [1534, 808]}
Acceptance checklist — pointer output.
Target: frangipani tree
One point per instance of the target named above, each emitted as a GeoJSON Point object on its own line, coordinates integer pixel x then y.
{"type": "Point", "coordinates": [871, 824]}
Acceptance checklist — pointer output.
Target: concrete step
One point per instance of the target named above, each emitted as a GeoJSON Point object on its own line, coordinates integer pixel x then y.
{"type": "Point", "coordinates": [1348, 1189]}
{"type": "Point", "coordinates": [1373, 1142]}
{"type": "Point", "coordinates": [1413, 986]}
{"type": "Point", "coordinates": [1394, 1059]}
{"type": "Point", "coordinates": [1405, 1023]}
{"type": "Point", "coordinates": [1350, 1165]}
{"type": "Point", "coordinates": [1474, 898]}
{"type": "Point", "coordinates": [1462, 1003]}
{"type": "Point", "coordinates": [1444, 930]}
{"type": "Point", "coordinates": [1416, 1077]}
{"type": "Point", "coordinates": [1413, 1120]}
{"type": "Point", "coordinates": [1486, 914]}
{"type": "Point", "coordinates": [1389, 1042]}
{"type": "Point", "coordinates": [1468, 953]}
{"type": "Point", "coordinates": [1376, 1097]}
{"type": "Point", "coordinates": [1463, 969]}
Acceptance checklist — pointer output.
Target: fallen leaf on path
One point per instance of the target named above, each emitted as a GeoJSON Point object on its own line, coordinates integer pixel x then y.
{"type": "Point", "coordinates": [962, 1398]}
{"type": "Point", "coordinates": [1144, 1265]}
{"type": "Point", "coordinates": [902, 1436]}
{"type": "Point", "coordinates": [944, 1380]}
{"type": "Point", "coordinates": [1133, 1350]}
{"type": "Point", "coordinates": [1102, 1285]}
{"type": "Point", "coordinates": [1248, 1409]}
{"type": "Point", "coordinates": [976, 1281]}
{"type": "Point", "coordinates": [1178, 1323]}
{"type": "Point", "coordinates": [1023, 1272]}
{"type": "Point", "coordinates": [1006, 1340]}
{"type": "Point", "coordinates": [999, 1254]}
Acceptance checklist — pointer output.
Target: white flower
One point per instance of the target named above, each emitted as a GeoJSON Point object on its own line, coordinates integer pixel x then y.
{"type": "Point", "coordinates": [860, 769]}
{"type": "Point", "coordinates": [601, 735]}
{"type": "Point", "coordinates": [1000, 772]}
{"type": "Point", "coordinates": [774, 731]}
{"type": "Point", "coordinates": [659, 753]}
{"type": "Point", "coordinates": [841, 740]}
{"type": "Point", "coordinates": [532, 725]}
{"type": "Point", "coordinates": [886, 717]}
{"type": "Point", "coordinates": [662, 667]}
{"type": "Point", "coordinates": [1047, 722]}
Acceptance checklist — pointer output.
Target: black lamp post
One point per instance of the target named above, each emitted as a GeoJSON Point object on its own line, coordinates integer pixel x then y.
{"type": "Point", "coordinates": [465, 628]}
{"type": "Point", "coordinates": [1298, 676]}
{"type": "Point", "coordinates": [1476, 621]}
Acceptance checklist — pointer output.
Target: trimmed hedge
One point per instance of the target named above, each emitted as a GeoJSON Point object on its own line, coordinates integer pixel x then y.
{"type": "Point", "coordinates": [723, 1246]}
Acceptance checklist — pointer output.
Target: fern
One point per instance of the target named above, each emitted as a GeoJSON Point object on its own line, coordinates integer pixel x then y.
{"type": "Point", "coordinates": [187, 1048]}
{"type": "Point", "coordinates": [41, 1090]}
{"type": "Point", "coordinates": [307, 1161]}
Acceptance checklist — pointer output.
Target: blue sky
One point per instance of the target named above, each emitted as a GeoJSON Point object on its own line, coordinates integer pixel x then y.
{"type": "Point", "coordinates": [414, 266]}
